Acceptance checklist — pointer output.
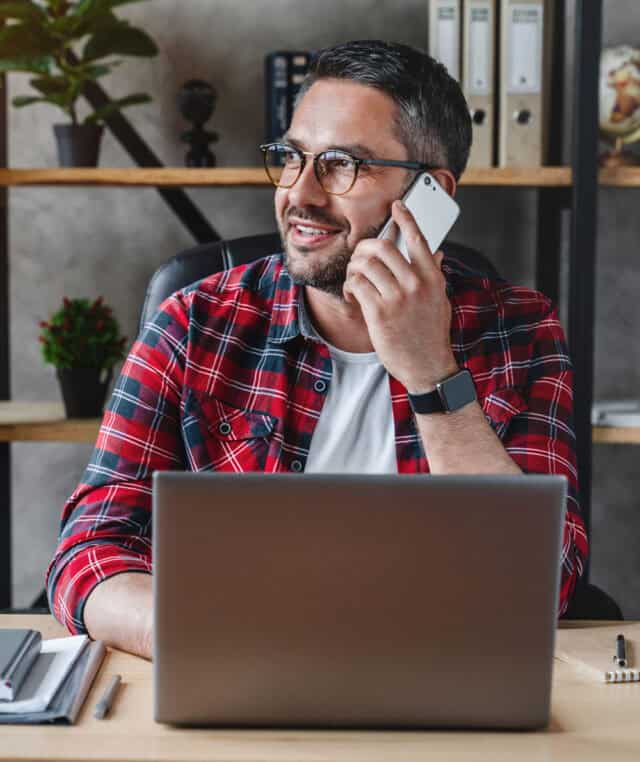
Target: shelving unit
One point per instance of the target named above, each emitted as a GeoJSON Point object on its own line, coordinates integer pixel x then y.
{"type": "Point", "coordinates": [571, 187]}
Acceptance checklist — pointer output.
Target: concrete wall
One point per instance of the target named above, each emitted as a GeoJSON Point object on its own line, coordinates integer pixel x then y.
{"type": "Point", "coordinates": [88, 241]}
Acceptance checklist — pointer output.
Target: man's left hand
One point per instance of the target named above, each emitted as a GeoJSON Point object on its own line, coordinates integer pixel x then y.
{"type": "Point", "coordinates": [404, 304]}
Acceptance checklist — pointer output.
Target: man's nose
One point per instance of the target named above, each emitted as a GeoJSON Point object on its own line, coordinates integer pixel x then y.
{"type": "Point", "coordinates": [307, 191]}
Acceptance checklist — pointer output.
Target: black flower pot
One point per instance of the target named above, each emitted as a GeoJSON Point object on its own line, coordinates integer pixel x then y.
{"type": "Point", "coordinates": [84, 391]}
{"type": "Point", "coordinates": [78, 144]}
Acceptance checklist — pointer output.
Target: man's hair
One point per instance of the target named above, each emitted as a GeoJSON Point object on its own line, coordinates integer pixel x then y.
{"type": "Point", "coordinates": [433, 120]}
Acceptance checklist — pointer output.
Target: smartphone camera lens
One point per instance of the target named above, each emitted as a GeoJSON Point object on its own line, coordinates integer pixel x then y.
{"type": "Point", "coordinates": [427, 180]}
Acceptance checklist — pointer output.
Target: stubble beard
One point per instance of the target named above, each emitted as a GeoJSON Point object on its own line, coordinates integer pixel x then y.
{"type": "Point", "coordinates": [327, 275]}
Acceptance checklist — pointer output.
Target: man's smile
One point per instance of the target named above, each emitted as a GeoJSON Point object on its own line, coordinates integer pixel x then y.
{"type": "Point", "coordinates": [308, 233]}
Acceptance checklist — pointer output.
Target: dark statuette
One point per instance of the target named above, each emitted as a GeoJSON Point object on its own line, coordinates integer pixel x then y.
{"type": "Point", "coordinates": [197, 101]}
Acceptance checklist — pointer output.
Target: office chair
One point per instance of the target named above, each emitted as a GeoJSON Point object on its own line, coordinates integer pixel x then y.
{"type": "Point", "coordinates": [589, 601]}
{"type": "Point", "coordinates": [198, 262]}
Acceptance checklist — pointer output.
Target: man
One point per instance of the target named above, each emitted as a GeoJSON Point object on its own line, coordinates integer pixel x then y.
{"type": "Point", "coordinates": [305, 362]}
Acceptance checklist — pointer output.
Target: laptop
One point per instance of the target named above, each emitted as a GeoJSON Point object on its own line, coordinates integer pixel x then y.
{"type": "Point", "coordinates": [355, 601]}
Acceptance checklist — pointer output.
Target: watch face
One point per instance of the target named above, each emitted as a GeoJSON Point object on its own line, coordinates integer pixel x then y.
{"type": "Point", "coordinates": [457, 391]}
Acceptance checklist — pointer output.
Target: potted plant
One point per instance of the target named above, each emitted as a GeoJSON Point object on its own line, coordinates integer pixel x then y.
{"type": "Point", "coordinates": [66, 44]}
{"type": "Point", "coordinates": [82, 340]}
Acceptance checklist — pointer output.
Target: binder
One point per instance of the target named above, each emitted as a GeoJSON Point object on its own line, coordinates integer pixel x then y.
{"type": "Point", "coordinates": [478, 76]}
{"type": "Point", "coordinates": [284, 73]}
{"type": "Point", "coordinates": [444, 34]}
{"type": "Point", "coordinates": [525, 54]}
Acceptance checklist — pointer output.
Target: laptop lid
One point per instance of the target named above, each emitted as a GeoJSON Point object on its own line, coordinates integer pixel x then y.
{"type": "Point", "coordinates": [355, 601]}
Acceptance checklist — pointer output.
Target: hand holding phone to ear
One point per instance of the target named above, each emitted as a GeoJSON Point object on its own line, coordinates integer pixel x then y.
{"type": "Point", "coordinates": [404, 303]}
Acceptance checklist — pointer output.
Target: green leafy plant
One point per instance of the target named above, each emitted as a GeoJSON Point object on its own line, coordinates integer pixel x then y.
{"type": "Point", "coordinates": [67, 45]}
{"type": "Point", "coordinates": [82, 334]}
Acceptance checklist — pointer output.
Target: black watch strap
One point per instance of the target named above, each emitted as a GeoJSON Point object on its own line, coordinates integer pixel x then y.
{"type": "Point", "coordinates": [426, 403]}
{"type": "Point", "coordinates": [449, 395]}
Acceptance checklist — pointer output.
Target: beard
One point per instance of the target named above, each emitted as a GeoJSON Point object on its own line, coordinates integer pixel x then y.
{"type": "Point", "coordinates": [328, 274]}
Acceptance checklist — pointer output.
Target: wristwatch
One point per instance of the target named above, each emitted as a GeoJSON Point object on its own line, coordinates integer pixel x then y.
{"type": "Point", "coordinates": [448, 396]}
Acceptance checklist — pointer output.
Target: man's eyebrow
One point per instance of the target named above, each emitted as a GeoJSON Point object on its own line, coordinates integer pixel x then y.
{"type": "Point", "coordinates": [356, 149]}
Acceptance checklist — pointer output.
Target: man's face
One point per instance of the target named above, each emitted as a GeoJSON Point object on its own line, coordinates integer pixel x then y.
{"type": "Point", "coordinates": [320, 230]}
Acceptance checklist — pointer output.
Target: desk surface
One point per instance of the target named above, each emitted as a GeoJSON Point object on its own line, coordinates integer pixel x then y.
{"type": "Point", "coordinates": [590, 721]}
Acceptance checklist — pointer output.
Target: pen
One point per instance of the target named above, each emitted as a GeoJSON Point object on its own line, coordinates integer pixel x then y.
{"type": "Point", "coordinates": [621, 652]}
{"type": "Point", "coordinates": [104, 705]}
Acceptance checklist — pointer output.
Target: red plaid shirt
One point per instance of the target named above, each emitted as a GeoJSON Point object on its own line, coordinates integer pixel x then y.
{"type": "Point", "coordinates": [223, 378]}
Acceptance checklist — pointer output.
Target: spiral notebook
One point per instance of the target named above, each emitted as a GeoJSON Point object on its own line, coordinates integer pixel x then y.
{"type": "Point", "coordinates": [591, 650]}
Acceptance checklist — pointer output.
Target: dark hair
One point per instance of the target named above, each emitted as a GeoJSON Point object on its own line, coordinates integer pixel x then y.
{"type": "Point", "coordinates": [433, 120]}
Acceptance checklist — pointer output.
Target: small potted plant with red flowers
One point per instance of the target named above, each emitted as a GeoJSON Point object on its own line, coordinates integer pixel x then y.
{"type": "Point", "coordinates": [82, 340]}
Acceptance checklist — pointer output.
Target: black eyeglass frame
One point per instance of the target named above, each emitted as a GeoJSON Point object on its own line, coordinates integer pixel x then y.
{"type": "Point", "coordinates": [415, 166]}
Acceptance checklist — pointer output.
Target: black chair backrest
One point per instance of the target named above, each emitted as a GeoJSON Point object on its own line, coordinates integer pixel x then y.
{"type": "Point", "coordinates": [207, 258]}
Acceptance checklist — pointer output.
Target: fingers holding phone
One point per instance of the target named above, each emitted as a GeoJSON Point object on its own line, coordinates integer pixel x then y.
{"type": "Point", "coordinates": [433, 210]}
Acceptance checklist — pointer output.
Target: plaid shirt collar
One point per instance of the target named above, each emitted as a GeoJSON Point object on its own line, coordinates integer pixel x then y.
{"type": "Point", "coordinates": [285, 322]}
{"type": "Point", "coordinates": [290, 318]}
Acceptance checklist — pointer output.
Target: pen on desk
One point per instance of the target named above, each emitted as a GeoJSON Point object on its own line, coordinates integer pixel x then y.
{"type": "Point", "coordinates": [621, 652]}
{"type": "Point", "coordinates": [104, 705]}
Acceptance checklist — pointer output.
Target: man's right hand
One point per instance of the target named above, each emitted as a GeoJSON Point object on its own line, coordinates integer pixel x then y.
{"type": "Point", "coordinates": [119, 611]}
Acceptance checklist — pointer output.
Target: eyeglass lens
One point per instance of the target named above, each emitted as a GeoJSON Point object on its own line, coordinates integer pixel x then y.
{"type": "Point", "coordinates": [335, 170]}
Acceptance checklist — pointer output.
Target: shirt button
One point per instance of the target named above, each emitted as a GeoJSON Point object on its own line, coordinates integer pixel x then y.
{"type": "Point", "coordinates": [296, 465]}
{"type": "Point", "coordinates": [224, 428]}
{"type": "Point", "coordinates": [320, 386]}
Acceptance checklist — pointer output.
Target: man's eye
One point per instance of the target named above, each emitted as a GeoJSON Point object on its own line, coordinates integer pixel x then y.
{"type": "Point", "coordinates": [337, 163]}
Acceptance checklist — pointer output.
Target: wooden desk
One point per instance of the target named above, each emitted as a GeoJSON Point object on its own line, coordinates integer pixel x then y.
{"type": "Point", "coordinates": [590, 721]}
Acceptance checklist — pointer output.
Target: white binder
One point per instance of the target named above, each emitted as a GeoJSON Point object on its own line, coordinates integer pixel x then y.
{"type": "Point", "coordinates": [525, 37]}
{"type": "Point", "coordinates": [478, 73]}
{"type": "Point", "coordinates": [444, 34]}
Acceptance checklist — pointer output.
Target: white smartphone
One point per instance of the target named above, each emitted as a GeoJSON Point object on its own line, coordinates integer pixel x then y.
{"type": "Point", "coordinates": [434, 211]}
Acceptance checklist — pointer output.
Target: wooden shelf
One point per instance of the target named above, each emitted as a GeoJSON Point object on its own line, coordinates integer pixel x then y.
{"type": "Point", "coordinates": [43, 422]}
{"type": "Point", "coordinates": [616, 435]}
{"type": "Point", "coordinates": [622, 177]}
{"type": "Point", "coordinates": [248, 176]}
{"type": "Point", "coordinates": [534, 177]}
{"type": "Point", "coordinates": [46, 422]}
{"type": "Point", "coordinates": [164, 176]}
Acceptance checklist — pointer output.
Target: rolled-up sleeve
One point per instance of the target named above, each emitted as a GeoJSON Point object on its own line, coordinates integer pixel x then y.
{"type": "Point", "coordinates": [106, 523]}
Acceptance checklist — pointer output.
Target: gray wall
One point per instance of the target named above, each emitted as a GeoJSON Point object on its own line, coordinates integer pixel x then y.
{"type": "Point", "coordinates": [89, 241]}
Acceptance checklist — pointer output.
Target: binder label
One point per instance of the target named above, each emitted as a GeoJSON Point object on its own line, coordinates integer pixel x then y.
{"type": "Point", "coordinates": [478, 74]}
{"type": "Point", "coordinates": [447, 49]}
{"type": "Point", "coordinates": [525, 48]}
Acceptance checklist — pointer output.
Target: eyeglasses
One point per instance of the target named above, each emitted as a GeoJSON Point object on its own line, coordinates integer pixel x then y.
{"type": "Point", "coordinates": [335, 170]}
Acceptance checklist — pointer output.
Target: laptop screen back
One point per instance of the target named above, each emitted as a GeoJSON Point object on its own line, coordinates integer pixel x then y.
{"type": "Point", "coordinates": [355, 601]}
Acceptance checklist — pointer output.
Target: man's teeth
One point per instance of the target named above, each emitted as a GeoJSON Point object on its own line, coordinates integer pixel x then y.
{"type": "Point", "coordinates": [307, 230]}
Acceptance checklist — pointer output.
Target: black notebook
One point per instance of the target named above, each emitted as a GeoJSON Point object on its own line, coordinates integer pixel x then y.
{"type": "Point", "coordinates": [285, 71]}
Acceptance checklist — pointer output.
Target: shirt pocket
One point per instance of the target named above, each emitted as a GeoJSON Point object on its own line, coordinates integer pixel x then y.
{"type": "Point", "coordinates": [222, 437]}
{"type": "Point", "coordinates": [501, 406]}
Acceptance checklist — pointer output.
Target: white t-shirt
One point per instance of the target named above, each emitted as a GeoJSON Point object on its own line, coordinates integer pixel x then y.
{"type": "Point", "coordinates": [355, 433]}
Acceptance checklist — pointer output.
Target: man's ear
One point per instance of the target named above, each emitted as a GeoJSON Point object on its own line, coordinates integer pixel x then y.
{"type": "Point", "coordinates": [446, 179]}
